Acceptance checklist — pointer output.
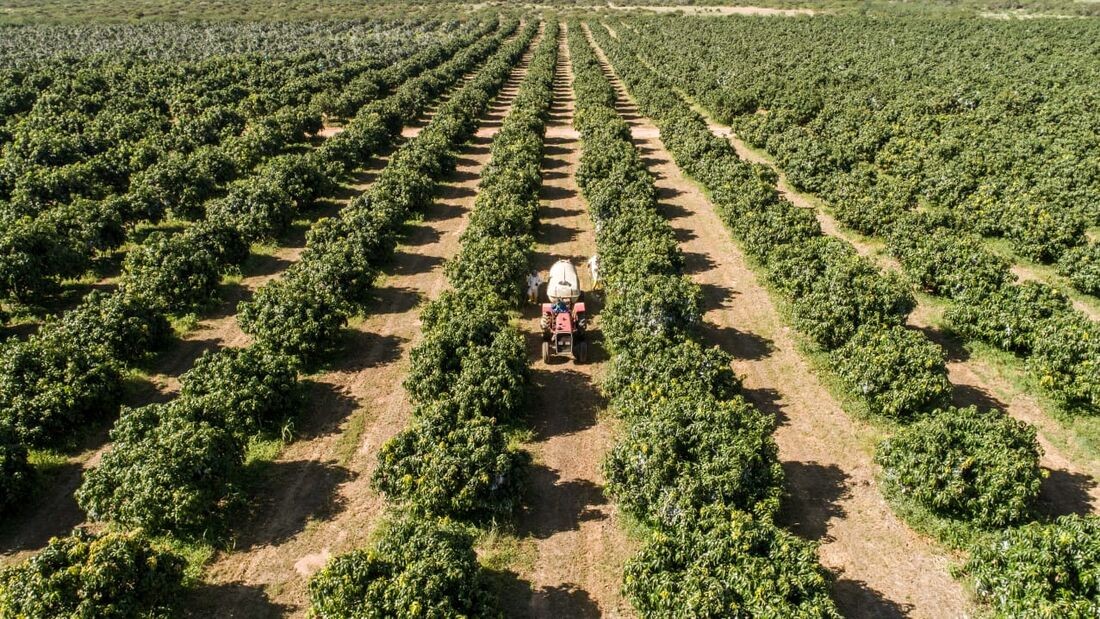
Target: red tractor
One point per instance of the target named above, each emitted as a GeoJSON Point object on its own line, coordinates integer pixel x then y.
{"type": "Point", "coordinates": [563, 319]}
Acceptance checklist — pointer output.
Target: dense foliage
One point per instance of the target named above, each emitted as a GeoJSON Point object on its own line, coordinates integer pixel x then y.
{"type": "Point", "coordinates": [1082, 266]}
{"type": "Point", "coordinates": [687, 456]}
{"type": "Point", "coordinates": [980, 467]}
{"type": "Point", "coordinates": [728, 565]}
{"type": "Point", "coordinates": [112, 575]}
{"type": "Point", "coordinates": [840, 299]}
{"type": "Point", "coordinates": [933, 160]}
{"type": "Point", "coordinates": [420, 567]}
{"type": "Point", "coordinates": [696, 462]}
{"type": "Point", "coordinates": [1040, 570]}
{"type": "Point", "coordinates": [469, 377]}
{"type": "Point", "coordinates": [896, 371]}
{"type": "Point", "coordinates": [70, 372]}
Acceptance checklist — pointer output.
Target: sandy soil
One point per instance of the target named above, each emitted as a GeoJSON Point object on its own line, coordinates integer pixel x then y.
{"type": "Point", "coordinates": [319, 502]}
{"type": "Point", "coordinates": [883, 567]}
{"type": "Point", "coordinates": [578, 546]}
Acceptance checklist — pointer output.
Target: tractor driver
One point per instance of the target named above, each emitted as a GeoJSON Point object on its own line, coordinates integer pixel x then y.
{"type": "Point", "coordinates": [559, 307]}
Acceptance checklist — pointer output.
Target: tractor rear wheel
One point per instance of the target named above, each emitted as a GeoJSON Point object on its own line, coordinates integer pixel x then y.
{"type": "Point", "coordinates": [580, 353]}
{"type": "Point", "coordinates": [546, 352]}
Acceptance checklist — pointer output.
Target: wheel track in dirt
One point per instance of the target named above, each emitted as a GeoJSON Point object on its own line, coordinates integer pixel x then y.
{"type": "Point", "coordinates": [578, 543]}
{"type": "Point", "coordinates": [884, 568]}
{"type": "Point", "coordinates": [320, 501]}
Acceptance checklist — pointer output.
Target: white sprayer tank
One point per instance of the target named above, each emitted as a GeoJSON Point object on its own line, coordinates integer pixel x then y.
{"type": "Point", "coordinates": [563, 284]}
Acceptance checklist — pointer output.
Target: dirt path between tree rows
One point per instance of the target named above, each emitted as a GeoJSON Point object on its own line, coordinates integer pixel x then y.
{"type": "Point", "coordinates": [318, 499]}
{"type": "Point", "coordinates": [884, 568]}
{"type": "Point", "coordinates": [570, 528]}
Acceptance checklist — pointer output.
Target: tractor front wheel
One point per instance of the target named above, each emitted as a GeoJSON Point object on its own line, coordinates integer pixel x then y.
{"type": "Point", "coordinates": [546, 352]}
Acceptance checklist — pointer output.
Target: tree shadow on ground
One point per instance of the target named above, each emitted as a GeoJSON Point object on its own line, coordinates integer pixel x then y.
{"type": "Point", "coordinates": [288, 496]}
{"type": "Point", "coordinates": [767, 400]}
{"type": "Point", "coordinates": [857, 600]}
{"type": "Point", "coordinates": [413, 235]}
{"type": "Point", "coordinates": [584, 401]}
{"type": "Point", "coordinates": [716, 296]}
{"type": "Point", "coordinates": [1063, 493]}
{"type": "Point", "coordinates": [364, 349]}
{"type": "Point", "coordinates": [560, 506]}
{"type": "Point", "coordinates": [814, 492]}
{"type": "Point", "coordinates": [522, 600]}
{"type": "Point", "coordinates": [741, 344]}
{"type": "Point", "coordinates": [50, 511]}
{"type": "Point", "coordinates": [953, 346]}
{"type": "Point", "coordinates": [696, 262]}
{"type": "Point", "coordinates": [440, 212]}
{"type": "Point", "coordinates": [258, 265]}
{"type": "Point", "coordinates": [232, 600]}
{"type": "Point", "coordinates": [326, 409]}
{"type": "Point", "coordinates": [392, 300]}
{"type": "Point", "coordinates": [549, 211]}
{"type": "Point", "coordinates": [553, 234]}
{"type": "Point", "coordinates": [406, 263]}
{"type": "Point", "coordinates": [970, 395]}
{"type": "Point", "coordinates": [552, 193]}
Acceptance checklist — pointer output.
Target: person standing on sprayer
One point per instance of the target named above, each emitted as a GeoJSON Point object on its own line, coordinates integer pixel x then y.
{"type": "Point", "coordinates": [533, 282]}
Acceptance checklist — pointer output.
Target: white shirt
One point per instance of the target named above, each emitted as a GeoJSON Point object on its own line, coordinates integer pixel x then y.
{"type": "Point", "coordinates": [533, 281]}
{"type": "Point", "coordinates": [593, 266]}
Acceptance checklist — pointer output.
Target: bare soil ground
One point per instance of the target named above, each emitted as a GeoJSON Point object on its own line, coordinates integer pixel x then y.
{"type": "Point", "coordinates": [318, 499]}
{"type": "Point", "coordinates": [884, 569]}
{"type": "Point", "coordinates": [579, 547]}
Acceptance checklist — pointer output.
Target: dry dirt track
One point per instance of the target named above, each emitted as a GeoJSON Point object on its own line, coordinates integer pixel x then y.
{"type": "Point", "coordinates": [884, 568]}
{"type": "Point", "coordinates": [578, 546]}
{"type": "Point", "coordinates": [319, 502]}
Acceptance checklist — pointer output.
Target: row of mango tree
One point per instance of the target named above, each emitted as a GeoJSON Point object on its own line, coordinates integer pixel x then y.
{"type": "Point", "coordinates": [940, 246]}
{"type": "Point", "coordinates": [71, 372]}
{"type": "Point", "coordinates": [168, 154]}
{"type": "Point", "coordinates": [963, 475]}
{"type": "Point", "coordinates": [969, 135]}
{"type": "Point", "coordinates": [174, 472]}
{"type": "Point", "coordinates": [697, 463]}
{"type": "Point", "coordinates": [454, 467]}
